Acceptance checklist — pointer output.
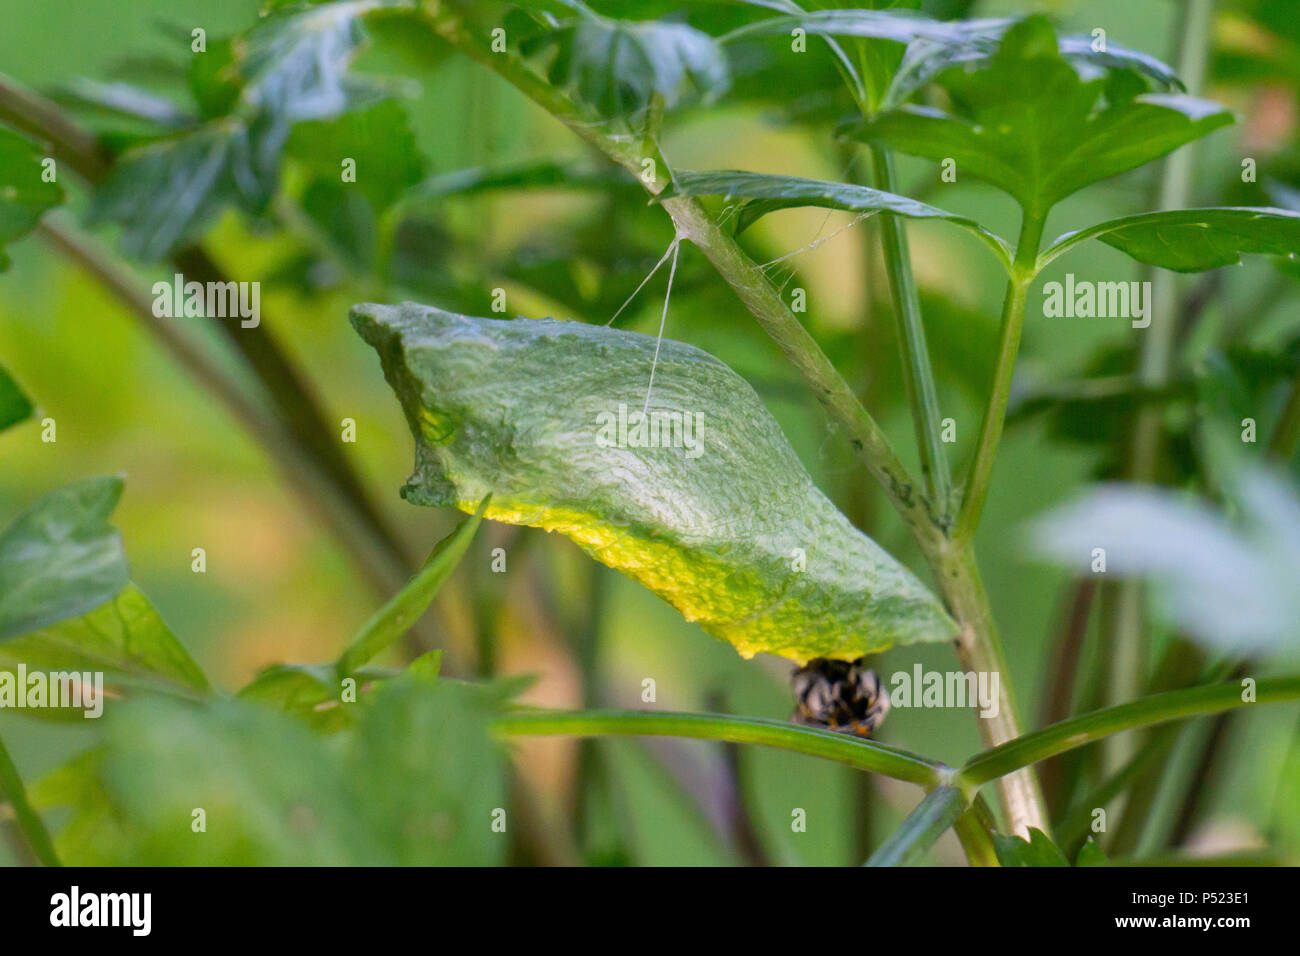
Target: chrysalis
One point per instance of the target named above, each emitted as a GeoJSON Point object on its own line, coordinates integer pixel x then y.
{"type": "Point", "coordinates": [693, 491]}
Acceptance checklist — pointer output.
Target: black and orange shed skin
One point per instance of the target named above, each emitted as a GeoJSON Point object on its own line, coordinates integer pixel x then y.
{"type": "Point", "coordinates": [839, 695]}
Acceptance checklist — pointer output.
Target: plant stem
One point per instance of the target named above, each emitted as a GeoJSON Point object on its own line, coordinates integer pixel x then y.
{"type": "Point", "coordinates": [856, 752]}
{"type": "Point", "coordinates": [980, 650]}
{"type": "Point", "coordinates": [29, 821]}
{"type": "Point", "coordinates": [1146, 712]}
{"type": "Point", "coordinates": [932, 817]}
{"type": "Point", "coordinates": [1023, 271]}
{"type": "Point", "coordinates": [918, 375]}
{"type": "Point", "coordinates": [975, 829]}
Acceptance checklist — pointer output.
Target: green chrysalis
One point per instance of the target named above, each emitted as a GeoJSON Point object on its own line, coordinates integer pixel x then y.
{"type": "Point", "coordinates": [701, 498]}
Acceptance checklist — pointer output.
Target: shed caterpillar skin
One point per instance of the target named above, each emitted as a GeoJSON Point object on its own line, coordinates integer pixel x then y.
{"type": "Point", "coordinates": [517, 408]}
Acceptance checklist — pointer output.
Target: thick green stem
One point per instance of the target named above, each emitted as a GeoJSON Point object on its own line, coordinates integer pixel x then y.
{"type": "Point", "coordinates": [862, 754]}
{"type": "Point", "coordinates": [980, 650]}
{"type": "Point", "coordinates": [1146, 712]}
{"type": "Point", "coordinates": [918, 375]}
{"type": "Point", "coordinates": [1013, 319]}
{"type": "Point", "coordinates": [28, 820]}
{"type": "Point", "coordinates": [975, 829]}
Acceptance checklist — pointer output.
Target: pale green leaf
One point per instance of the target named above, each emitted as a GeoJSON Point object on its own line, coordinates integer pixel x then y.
{"type": "Point", "coordinates": [765, 193]}
{"type": "Point", "coordinates": [61, 558]}
{"type": "Point", "coordinates": [1192, 240]}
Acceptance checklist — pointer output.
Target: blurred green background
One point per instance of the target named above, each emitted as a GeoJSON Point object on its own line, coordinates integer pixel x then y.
{"type": "Point", "coordinates": [278, 586]}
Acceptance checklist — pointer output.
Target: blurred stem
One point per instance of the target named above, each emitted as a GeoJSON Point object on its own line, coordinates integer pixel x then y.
{"type": "Point", "coordinates": [918, 375]}
{"type": "Point", "coordinates": [1286, 434]}
{"type": "Point", "coordinates": [28, 820]}
{"type": "Point", "coordinates": [856, 752]}
{"type": "Point", "coordinates": [1146, 712]}
{"type": "Point", "coordinates": [939, 810]}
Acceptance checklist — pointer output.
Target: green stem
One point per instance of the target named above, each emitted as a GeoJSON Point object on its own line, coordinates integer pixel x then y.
{"type": "Point", "coordinates": [1147, 712]}
{"type": "Point", "coordinates": [29, 821]}
{"type": "Point", "coordinates": [1023, 271]}
{"type": "Point", "coordinates": [979, 649]}
{"type": "Point", "coordinates": [918, 375]}
{"type": "Point", "coordinates": [856, 752]}
{"type": "Point", "coordinates": [1286, 434]}
{"type": "Point", "coordinates": [975, 829]}
{"type": "Point", "coordinates": [940, 809]}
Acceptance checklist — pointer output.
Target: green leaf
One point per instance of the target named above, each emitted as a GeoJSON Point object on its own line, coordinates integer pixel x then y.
{"type": "Point", "coordinates": [1038, 850]}
{"type": "Point", "coordinates": [903, 26]}
{"type": "Point", "coordinates": [709, 518]}
{"type": "Point", "coordinates": [170, 191]}
{"type": "Point", "coordinates": [294, 67]}
{"type": "Point", "coordinates": [66, 603]}
{"type": "Point", "coordinates": [61, 558]}
{"type": "Point", "coordinates": [24, 195]}
{"type": "Point", "coordinates": [432, 773]}
{"type": "Point", "coordinates": [1192, 240]}
{"type": "Point", "coordinates": [1036, 130]}
{"type": "Point", "coordinates": [15, 406]}
{"type": "Point", "coordinates": [270, 791]}
{"type": "Point", "coordinates": [765, 193]}
{"type": "Point", "coordinates": [295, 63]}
{"type": "Point", "coordinates": [310, 692]}
{"type": "Point", "coordinates": [617, 66]}
{"type": "Point", "coordinates": [395, 618]}
{"type": "Point", "coordinates": [927, 58]}
{"type": "Point", "coordinates": [538, 174]}
{"type": "Point", "coordinates": [379, 139]}
{"type": "Point", "coordinates": [1090, 854]}
{"type": "Point", "coordinates": [125, 638]}
{"type": "Point", "coordinates": [934, 46]}
{"type": "Point", "coordinates": [415, 782]}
